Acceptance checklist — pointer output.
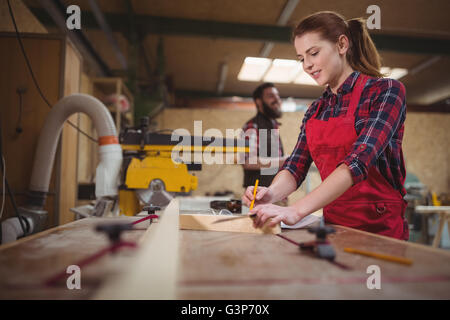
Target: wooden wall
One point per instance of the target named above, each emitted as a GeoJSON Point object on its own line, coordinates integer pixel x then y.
{"type": "Point", "coordinates": [57, 69]}
{"type": "Point", "coordinates": [19, 148]}
{"type": "Point", "coordinates": [426, 148]}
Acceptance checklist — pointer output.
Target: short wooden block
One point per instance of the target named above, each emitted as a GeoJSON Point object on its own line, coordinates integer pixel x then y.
{"type": "Point", "coordinates": [239, 224]}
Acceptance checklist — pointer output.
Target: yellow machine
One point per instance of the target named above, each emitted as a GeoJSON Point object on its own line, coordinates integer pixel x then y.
{"type": "Point", "coordinates": [158, 167]}
{"type": "Point", "coordinates": [150, 175]}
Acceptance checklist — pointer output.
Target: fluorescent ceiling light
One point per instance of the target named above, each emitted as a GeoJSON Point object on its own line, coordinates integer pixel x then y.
{"type": "Point", "coordinates": [283, 71]}
{"type": "Point", "coordinates": [277, 71]}
{"type": "Point", "coordinates": [394, 73]}
{"type": "Point", "coordinates": [304, 78]}
{"type": "Point", "coordinates": [254, 68]}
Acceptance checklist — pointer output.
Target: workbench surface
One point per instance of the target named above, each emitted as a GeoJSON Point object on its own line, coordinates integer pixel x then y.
{"type": "Point", "coordinates": [222, 265]}
{"type": "Point", "coordinates": [245, 266]}
{"type": "Point", "coordinates": [27, 263]}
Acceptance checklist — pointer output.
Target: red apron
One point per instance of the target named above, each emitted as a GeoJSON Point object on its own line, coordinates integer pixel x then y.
{"type": "Point", "coordinates": [372, 205]}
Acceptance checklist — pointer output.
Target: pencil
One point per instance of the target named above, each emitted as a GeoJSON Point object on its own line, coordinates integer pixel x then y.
{"type": "Point", "coordinates": [254, 194]}
{"type": "Point", "coordinates": [380, 256]}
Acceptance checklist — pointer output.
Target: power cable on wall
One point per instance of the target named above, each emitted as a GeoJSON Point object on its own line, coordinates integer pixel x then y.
{"type": "Point", "coordinates": [19, 38]}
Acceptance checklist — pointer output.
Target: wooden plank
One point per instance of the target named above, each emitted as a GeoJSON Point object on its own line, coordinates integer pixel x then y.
{"type": "Point", "coordinates": [69, 139]}
{"type": "Point", "coordinates": [152, 275]}
{"type": "Point", "coordinates": [210, 223]}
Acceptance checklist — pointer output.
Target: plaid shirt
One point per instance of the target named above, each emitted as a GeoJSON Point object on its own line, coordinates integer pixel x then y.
{"type": "Point", "coordinates": [379, 124]}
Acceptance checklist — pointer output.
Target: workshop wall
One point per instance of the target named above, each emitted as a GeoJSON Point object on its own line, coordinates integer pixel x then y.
{"type": "Point", "coordinates": [57, 65]}
{"type": "Point", "coordinates": [426, 149]}
{"type": "Point", "coordinates": [19, 147]}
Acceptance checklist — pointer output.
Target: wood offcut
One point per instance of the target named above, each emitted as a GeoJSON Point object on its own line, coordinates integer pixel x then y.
{"type": "Point", "coordinates": [209, 223]}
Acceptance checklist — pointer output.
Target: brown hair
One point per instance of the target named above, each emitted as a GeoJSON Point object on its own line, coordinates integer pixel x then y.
{"type": "Point", "coordinates": [258, 92]}
{"type": "Point", "coordinates": [362, 54]}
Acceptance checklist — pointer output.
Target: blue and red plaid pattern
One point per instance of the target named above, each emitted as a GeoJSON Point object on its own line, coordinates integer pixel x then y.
{"type": "Point", "coordinates": [379, 124]}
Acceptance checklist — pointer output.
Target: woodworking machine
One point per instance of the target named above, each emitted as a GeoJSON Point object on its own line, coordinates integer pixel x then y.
{"type": "Point", "coordinates": [150, 173]}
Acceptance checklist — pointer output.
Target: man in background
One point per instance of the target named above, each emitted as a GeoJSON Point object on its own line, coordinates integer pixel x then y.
{"type": "Point", "coordinates": [266, 150]}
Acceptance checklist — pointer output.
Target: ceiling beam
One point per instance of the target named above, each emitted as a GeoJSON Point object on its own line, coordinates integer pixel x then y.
{"type": "Point", "coordinates": [103, 23]}
{"type": "Point", "coordinates": [282, 21]}
{"type": "Point", "coordinates": [251, 32]}
{"type": "Point", "coordinates": [441, 107]}
{"type": "Point", "coordinates": [203, 94]}
{"type": "Point", "coordinates": [222, 77]}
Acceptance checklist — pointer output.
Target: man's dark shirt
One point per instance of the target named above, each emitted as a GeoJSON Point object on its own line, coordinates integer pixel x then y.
{"type": "Point", "coordinates": [258, 122]}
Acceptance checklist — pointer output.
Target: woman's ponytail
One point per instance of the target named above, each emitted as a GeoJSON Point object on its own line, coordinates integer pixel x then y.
{"type": "Point", "coordinates": [362, 54]}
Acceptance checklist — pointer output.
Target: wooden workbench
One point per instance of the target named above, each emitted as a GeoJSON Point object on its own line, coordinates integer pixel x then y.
{"type": "Point", "coordinates": [244, 266]}
{"type": "Point", "coordinates": [28, 262]}
{"type": "Point", "coordinates": [221, 265]}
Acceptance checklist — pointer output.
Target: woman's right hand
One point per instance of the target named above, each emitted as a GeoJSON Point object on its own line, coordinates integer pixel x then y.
{"type": "Point", "coordinates": [263, 195]}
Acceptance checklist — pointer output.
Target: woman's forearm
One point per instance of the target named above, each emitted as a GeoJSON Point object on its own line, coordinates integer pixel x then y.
{"type": "Point", "coordinates": [329, 190]}
{"type": "Point", "coordinates": [282, 185]}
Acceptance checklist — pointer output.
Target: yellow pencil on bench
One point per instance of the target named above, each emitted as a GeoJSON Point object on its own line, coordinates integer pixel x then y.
{"type": "Point", "coordinates": [380, 256]}
{"type": "Point", "coordinates": [254, 194]}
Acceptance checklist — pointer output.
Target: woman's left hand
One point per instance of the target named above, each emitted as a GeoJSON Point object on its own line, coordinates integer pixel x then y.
{"type": "Point", "coordinates": [289, 215]}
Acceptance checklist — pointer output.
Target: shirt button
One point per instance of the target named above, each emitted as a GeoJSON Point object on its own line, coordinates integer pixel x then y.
{"type": "Point", "coordinates": [353, 155]}
{"type": "Point", "coordinates": [362, 147]}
